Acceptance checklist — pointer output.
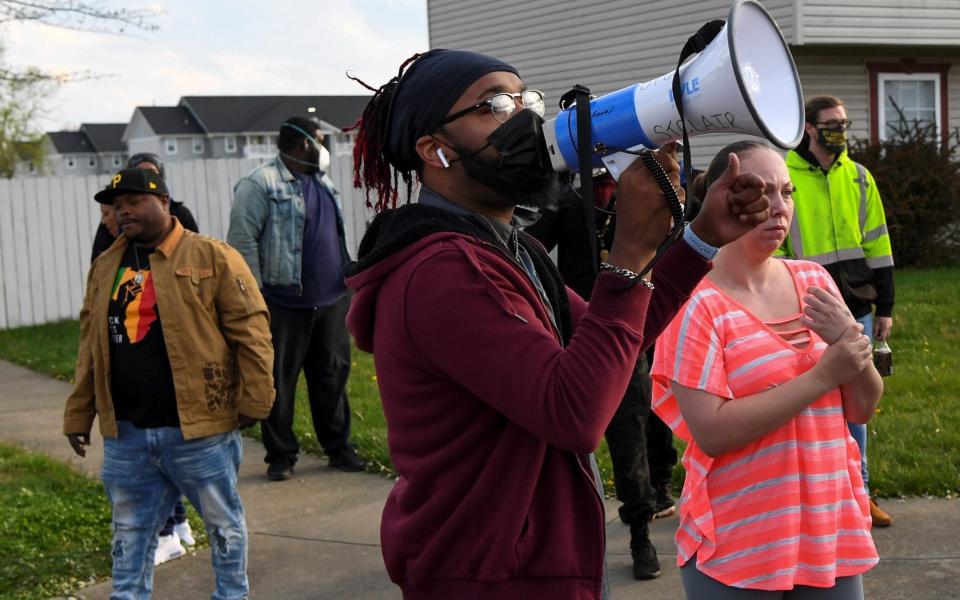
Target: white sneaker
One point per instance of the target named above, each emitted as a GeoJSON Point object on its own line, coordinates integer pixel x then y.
{"type": "Point", "coordinates": [185, 533]}
{"type": "Point", "coordinates": [168, 548]}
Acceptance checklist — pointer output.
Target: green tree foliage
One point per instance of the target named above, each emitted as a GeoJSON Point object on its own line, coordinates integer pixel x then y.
{"type": "Point", "coordinates": [24, 90]}
{"type": "Point", "coordinates": [918, 176]}
{"type": "Point", "coordinates": [21, 103]}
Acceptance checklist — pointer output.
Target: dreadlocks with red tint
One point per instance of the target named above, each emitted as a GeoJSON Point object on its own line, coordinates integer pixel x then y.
{"type": "Point", "coordinates": [371, 169]}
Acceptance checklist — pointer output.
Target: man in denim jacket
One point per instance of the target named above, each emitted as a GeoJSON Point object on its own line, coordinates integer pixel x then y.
{"type": "Point", "coordinates": [286, 223]}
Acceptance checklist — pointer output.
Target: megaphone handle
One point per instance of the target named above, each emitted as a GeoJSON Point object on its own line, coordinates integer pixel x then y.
{"type": "Point", "coordinates": [617, 162]}
{"type": "Point", "coordinates": [673, 201]}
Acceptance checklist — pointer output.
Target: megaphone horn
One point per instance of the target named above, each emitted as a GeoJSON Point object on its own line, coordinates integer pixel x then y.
{"type": "Point", "coordinates": [743, 82]}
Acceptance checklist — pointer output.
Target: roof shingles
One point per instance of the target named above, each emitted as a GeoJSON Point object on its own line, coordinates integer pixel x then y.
{"type": "Point", "coordinates": [262, 114]}
{"type": "Point", "coordinates": [170, 120]}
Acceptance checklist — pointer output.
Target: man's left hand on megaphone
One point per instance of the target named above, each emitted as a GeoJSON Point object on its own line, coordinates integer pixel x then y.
{"type": "Point", "coordinates": [734, 205]}
{"type": "Point", "coordinates": [643, 217]}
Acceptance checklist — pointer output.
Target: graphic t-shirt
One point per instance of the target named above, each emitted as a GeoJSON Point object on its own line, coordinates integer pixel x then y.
{"type": "Point", "coordinates": [141, 379]}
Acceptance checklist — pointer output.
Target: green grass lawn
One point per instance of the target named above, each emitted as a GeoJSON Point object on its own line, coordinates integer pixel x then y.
{"type": "Point", "coordinates": [55, 531]}
{"type": "Point", "coordinates": [914, 445]}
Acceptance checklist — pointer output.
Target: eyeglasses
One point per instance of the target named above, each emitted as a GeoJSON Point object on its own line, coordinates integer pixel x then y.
{"type": "Point", "coordinates": [504, 105]}
{"type": "Point", "coordinates": [837, 124]}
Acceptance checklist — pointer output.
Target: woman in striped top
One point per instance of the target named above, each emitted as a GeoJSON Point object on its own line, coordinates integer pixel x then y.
{"type": "Point", "coordinates": [758, 373]}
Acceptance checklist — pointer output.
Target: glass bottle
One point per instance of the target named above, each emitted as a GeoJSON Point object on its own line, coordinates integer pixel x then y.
{"type": "Point", "coordinates": [883, 358]}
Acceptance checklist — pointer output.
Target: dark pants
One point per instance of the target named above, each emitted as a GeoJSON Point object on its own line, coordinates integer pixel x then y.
{"type": "Point", "coordinates": [179, 515]}
{"type": "Point", "coordinates": [315, 341]}
{"type": "Point", "coordinates": [661, 455]}
{"type": "Point", "coordinates": [627, 439]}
{"type": "Point", "coordinates": [698, 586]}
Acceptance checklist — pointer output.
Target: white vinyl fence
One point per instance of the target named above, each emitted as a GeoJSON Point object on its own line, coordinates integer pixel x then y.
{"type": "Point", "coordinates": [47, 226]}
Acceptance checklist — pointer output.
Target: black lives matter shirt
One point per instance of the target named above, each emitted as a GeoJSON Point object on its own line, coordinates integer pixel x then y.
{"type": "Point", "coordinates": [141, 379]}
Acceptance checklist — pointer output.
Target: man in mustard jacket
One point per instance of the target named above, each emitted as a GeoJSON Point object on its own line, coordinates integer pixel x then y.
{"type": "Point", "coordinates": [839, 223]}
{"type": "Point", "coordinates": [175, 356]}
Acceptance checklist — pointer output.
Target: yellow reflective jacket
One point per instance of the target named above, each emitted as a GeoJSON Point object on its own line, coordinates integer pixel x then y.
{"type": "Point", "coordinates": [216, 330]}
{"type": "Point", "coordinates": [839, 223]}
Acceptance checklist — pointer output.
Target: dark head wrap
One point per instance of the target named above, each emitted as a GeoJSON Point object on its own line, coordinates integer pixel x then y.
{"type": "Point", "coordinates": [406, 108]}
{"type": "Point", "coordinates": [424, 95]}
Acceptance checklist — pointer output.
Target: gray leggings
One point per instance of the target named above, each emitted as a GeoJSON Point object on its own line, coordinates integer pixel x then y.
{"type": "Point", "coordinates": [703, 587]}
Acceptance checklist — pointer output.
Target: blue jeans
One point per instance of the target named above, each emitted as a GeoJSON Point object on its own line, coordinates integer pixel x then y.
{"type": "Point", "coordinates": [144, 472]}
{"type": "Point", "coordinates": [858, 431]}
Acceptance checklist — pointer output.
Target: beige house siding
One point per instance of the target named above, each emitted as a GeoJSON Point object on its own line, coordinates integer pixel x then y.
{"type": "Point", "coordinates": [880, 22]}
{"type": "Point", "coordinates": [843, 73]}
{"type": "Point", "coordinates": [557, 43]}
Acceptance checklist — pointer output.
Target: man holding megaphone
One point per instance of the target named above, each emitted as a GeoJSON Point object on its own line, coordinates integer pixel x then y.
{"type": "Point", "coordinates": [497, 381]}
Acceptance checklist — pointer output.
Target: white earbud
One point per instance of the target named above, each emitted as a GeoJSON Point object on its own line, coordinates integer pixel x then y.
{"type": "Point", "coordinates": [443, 158]}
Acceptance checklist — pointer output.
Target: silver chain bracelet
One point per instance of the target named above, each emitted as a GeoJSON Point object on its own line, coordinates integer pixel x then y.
{"type": "Point", "coordinates": [624, 272]}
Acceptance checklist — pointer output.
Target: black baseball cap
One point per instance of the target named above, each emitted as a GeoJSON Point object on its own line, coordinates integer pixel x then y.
{"type": "Point", "coordinates": [149, 157]}
{"type": "Point", "coordinates": [132, 181]}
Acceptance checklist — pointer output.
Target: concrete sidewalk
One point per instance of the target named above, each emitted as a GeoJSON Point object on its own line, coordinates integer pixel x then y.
{"type": "Point", "coordinates": [317, 535]}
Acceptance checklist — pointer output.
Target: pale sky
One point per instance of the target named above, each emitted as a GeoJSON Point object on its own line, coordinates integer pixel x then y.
{"type": "Point", "coordinates": [221, 47]}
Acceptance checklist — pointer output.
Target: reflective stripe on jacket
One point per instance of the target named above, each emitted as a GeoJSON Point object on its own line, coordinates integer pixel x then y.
{"type": "Point", "coordinates": [838, 215]}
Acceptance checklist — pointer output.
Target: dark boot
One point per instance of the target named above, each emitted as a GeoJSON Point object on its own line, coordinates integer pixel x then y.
{"type": "Point", "coordinates": [645, 563]}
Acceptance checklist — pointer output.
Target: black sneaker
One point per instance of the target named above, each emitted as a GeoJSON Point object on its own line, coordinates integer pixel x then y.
{"type": "Point", "coordinates": [664, 505]}
{"type": "Point", "coordinates": [348, 460]}
{"type": "Point", "coordinates": [279, 471]}
{"type": "Point", "coordinates": [645, 563]}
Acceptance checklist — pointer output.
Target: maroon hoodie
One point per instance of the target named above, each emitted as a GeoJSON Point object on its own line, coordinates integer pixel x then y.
{"type": "Point", "coordinates": [490, 417]}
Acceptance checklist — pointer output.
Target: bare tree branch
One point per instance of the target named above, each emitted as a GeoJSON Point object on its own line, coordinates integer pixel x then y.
{"type": "Point", "coordinates": [78, 15]}
{"type": "Point", "coordinates": [24, 90]}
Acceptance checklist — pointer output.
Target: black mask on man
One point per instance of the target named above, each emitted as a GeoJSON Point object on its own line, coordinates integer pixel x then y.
{"type": "Point", "coordinates": [523, 173]}
{"type": "Point", "coordinates": [832, 140]}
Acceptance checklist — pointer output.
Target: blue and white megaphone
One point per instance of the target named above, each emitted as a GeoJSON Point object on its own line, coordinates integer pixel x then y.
{"type": "Point", "coordinates": [743, 82]}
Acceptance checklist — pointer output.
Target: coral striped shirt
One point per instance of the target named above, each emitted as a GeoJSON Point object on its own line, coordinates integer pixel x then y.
{"type": "Point", "coordinates": [789, 508]}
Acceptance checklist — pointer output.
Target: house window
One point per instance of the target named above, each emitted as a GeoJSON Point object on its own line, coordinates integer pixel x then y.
{"type": "Point", "coordinates": [70, 162]}
{"type": "Point", "coordinates": [198, 145]}
{"type": "Point", "coordinates": [116, 160]}
{"type": "Point", "coordinates": [91, 162]}
{"type": "Point", "coordinates": [907, 94]}
{"type": "Point", "coordinates": [908, 99]}
{"type": "Point", "coordinates": [230, 144]}
{"type": "Point", "coordinates": [171, 145]}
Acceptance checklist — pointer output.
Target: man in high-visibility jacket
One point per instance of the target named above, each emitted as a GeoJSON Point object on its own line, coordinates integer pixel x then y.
{"type": "Point", "coordinates": [839, 223]}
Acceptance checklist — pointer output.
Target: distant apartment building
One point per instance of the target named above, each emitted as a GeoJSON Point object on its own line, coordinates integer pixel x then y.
{"type": "Point", "coordinates": [197, 127]}
{"type": "Point", "coordinates": [96, 148]}
{"type": "Point", "coordinates": [231, 126]}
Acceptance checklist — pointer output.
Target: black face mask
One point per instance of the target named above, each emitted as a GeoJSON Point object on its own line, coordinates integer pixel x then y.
{"type": "Point", "coordinates": [523, 173]}
{"type": "Point", "coordinates": [832, 140]}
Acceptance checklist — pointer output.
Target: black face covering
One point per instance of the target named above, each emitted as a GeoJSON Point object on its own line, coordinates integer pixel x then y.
{"type": "Point", "coordinates": [523, 173]}
{"type": "Point", "coordinates": [833, 140]}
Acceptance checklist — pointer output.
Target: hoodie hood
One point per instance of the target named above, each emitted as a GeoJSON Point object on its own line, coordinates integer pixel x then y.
{"type": "Point", "coordinates": [397, 235]}
{"type": "Point", "coordinates": [392, 238]}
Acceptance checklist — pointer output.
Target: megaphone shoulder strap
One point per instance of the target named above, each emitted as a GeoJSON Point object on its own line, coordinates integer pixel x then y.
{"type": "Point", "coordinates": [695, 44]}
{"type": "Point", "coordinates": [581, 95]}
